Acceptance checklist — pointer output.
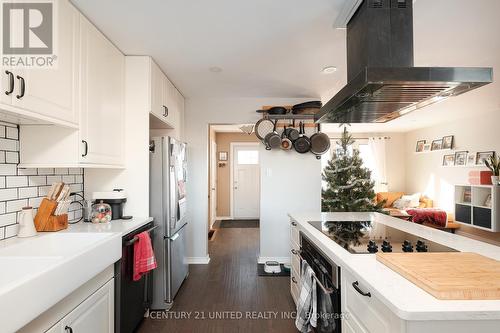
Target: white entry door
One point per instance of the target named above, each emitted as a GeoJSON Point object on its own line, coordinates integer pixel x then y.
{"type": "Point", "coordinates": [246, 181]}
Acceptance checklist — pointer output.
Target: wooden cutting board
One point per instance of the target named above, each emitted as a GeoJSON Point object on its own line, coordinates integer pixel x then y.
{"type": "Point", "coordinates": [448, 275]}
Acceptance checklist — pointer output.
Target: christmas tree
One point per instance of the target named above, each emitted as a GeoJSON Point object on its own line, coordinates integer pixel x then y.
{"type": "Point", "coordinates": [349, 185]}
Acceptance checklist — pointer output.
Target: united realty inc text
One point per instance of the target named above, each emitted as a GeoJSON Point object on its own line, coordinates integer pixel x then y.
{"type": "Point", "coordinates": [226, 315]}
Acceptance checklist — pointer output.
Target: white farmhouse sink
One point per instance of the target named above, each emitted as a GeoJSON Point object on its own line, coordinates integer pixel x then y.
{"type": "Point", "coordinates": [18, 269]}
{"type": "Point", "coordinates": [47, 268]}
{"type": "Point", "coordinates": [53, 244]}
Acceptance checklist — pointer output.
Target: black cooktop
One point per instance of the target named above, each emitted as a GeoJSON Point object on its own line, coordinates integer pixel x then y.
{"type": "Point", "coordinates": [361, 237]}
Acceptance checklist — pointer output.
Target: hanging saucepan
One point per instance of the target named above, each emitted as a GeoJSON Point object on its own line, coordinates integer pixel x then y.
{"type": "Point", "coordinates": [291, 132]}
{"type": "Point", "coordinates": [302, 144]}
{"type": "Point", "coordinates": [310, 108]}
{"type": "Point", "coordinates": [263, 127]}
{"type": "Point", "coordinates": [320, 143]}
{"type": "Point", "coordinates": [273, 139]}
{"type": "Point", "coordinates": [277, 110]}
{"type": "Point", "coordinates": [286, 144]}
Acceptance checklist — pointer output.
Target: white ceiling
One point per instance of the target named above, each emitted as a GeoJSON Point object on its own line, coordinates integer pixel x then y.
{"type": "Point", "coordinates": [266, 48]}
{"type": "Point", "coordinates": [277, 48]}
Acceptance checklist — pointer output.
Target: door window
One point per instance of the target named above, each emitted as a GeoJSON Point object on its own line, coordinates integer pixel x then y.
{"type": "Point", "coordinates": [248, 157]}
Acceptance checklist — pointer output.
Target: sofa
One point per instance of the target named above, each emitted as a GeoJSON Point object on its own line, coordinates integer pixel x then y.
{"type": "Point", "coordinates": [390, 198]}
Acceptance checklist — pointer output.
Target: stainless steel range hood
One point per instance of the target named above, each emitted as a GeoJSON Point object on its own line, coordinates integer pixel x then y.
{"type": "Point", "coordinates": [382, 82]}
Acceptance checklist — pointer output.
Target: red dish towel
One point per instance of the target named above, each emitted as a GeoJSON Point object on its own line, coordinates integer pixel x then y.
{"type": "Point", "coordinates": [144, 257]}
{"type": "Point", "coordinates": [436, 217]}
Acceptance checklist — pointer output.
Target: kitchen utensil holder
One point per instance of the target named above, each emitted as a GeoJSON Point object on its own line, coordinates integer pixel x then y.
{"type": "Point", "coordinates": [45, 220]}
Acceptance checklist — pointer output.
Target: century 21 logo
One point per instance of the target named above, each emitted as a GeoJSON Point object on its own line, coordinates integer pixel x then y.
{"type": "Point", "coordinates": [27, 28]}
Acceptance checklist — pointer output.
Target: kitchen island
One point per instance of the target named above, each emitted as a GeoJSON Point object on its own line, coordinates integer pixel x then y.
{"type": "Point", "coordinates": [395, 304]}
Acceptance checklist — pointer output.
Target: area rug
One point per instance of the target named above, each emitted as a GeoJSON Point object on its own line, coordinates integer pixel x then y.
{"type": "Point", "coordinates": [239, 224]}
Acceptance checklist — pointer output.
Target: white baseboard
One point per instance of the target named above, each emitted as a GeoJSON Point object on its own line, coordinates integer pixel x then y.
{"type": "Point", "coordinates": [220, 218]}
{"type": "Point", "coordinates": [281, 260]}
{"type": "Point", "coordinates": [198, 260]}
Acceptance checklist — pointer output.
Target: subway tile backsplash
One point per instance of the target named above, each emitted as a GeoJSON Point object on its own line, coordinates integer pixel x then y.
{"type": "Point", "coordinates": [27, 187]}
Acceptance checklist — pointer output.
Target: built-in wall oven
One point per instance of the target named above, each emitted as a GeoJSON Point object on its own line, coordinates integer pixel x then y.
{"type": "Point", "coordinates": [132, 298]}
{"type": "Point", "coordinates": [327, 276]}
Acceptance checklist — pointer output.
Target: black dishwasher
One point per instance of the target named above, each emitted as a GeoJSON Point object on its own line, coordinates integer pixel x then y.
{"type": "Point", "coordinates": [327, 275]}
{"type": "Point", "coordinates": [132, 298]}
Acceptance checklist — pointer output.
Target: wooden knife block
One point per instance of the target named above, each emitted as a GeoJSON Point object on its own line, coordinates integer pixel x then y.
{"type": "Point", "coordinates": [45, 220]}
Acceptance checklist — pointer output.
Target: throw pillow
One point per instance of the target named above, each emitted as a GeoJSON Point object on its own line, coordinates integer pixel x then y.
{"type": "Point", "coordinates": [414, 199]}
{"type": "Point", "coordinates": [401, 204]}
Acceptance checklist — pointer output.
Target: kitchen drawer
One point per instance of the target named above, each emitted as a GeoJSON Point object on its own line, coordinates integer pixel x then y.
{"type": "Point", "coordinates": [350, 325]}
{"type": "Point", "coordinates": [366, 312]}
{"type": "Point", "coordinates": [294, 232]}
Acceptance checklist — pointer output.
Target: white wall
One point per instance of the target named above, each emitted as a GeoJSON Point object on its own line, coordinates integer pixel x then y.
{"type": "Point", "coordinates": [473, 117]}
{"type": "Point", "coordinates": [425, 173]}
{"type": "Point", "coordinates": [290, 182]}
{"type": "Point", "coordinates": [199, 114]}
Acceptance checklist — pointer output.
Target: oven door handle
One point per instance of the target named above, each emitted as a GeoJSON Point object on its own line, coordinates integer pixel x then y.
{"type": "Point", "coordinates": [355, 285]}
{"type": "Point", "coordinates": [135, 239]}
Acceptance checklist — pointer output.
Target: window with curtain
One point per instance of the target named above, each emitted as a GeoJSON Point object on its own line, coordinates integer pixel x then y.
{"type": "Point", "coordinates": [372, 152]}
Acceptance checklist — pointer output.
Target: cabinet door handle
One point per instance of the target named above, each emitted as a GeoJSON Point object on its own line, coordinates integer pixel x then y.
{"type": "Point", "coordinates": [294, 224]}
{"type": "Point", "coordinates": [68, 329]}
{"type": "Point", "coordinates": [293, 280]}
{"type": "Point", "coordinates": [355, 285]}
{"type": "Point", "coordinates": [23, 87]}
{"type": "Point", "coordinates": [295, 252]}
{"type": "Point", "coordinates": [86, 150]}
{"type": "Point", "coordinates": [165, 111]}
{"type": "Point", "coordinates": [11, 83]}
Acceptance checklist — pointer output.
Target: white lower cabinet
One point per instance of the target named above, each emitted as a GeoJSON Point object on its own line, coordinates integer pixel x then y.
{"type": "Point", "coordinates": [363, 311]}
{"type": "Point", "coordinates": [95, 314]}
{"type": "Point", "coordinates": [295, 273]}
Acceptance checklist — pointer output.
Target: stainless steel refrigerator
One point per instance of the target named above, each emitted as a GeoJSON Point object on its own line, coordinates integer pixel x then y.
{"type": "Point", "coordinates": [167, 197]}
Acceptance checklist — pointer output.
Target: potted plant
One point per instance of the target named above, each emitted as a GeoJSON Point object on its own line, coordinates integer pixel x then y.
{"type": "Point", "coordinates": [493, 163]}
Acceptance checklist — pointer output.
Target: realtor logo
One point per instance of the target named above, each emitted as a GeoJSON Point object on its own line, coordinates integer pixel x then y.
{"type": "Point", "coordinates": [28, 33]}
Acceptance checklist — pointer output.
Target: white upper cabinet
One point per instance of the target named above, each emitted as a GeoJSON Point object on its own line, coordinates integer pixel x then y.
{"type": "Point", "coordinates": [165, 100]}
{"type": "Point", "coordinates": [48, 94]}
{"type": "Point", "coordinates": [100, 103]}
{"type": "Point", "coordinates": [158, 97]}
{"type": "Point", "coordinates": [102, 98]}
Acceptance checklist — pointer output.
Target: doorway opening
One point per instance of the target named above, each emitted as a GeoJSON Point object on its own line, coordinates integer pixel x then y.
{"type": "Point", "coordinates": [234, 178]}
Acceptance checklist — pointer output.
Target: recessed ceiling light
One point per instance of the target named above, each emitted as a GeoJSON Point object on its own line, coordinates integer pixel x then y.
{"type": "Point", "coordinates": [329, 69]}
{"type": "Point", "coordinates": [215, 69]}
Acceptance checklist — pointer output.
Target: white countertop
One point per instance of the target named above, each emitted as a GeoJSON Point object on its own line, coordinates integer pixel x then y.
{"type": "Point", "coordinates": [402, 297]}
{"type": "Point", "coordinates": [122, 227]}
{"type": "Point", "coordinates": [38, 272]}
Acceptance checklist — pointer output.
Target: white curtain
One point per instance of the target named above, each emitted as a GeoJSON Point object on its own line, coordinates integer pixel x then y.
{"type": "Point", "coordinates": [377, 147]}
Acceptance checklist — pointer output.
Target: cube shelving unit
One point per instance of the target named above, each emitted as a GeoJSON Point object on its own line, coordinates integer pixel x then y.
{"type": "Point", "coordinates": [471, 209]}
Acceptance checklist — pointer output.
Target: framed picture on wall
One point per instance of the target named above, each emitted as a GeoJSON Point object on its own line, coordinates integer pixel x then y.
{"type": "Point", "coordinates": [420, 146]}
{"type": "Point", "coordinates": [471, 159]}
{"type": "Point", "coordinates": [461, 158]}
{"type": "Point", "coordinates": [449, 160]}
{"type": "Point", "coordinates": [437, 144]}
{"type": "Point", "coordinates": [427, 147]}
{"type": "Point", "coordinates": [223, 156]}
{"type": "Point", "coordinates": [447, 142]}
{"type": "Point", "coordinates": [482, 156]}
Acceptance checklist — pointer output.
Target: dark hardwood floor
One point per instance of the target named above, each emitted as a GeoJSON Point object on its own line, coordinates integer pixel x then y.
{"type": "Point", "coordinates": [229, 286]}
